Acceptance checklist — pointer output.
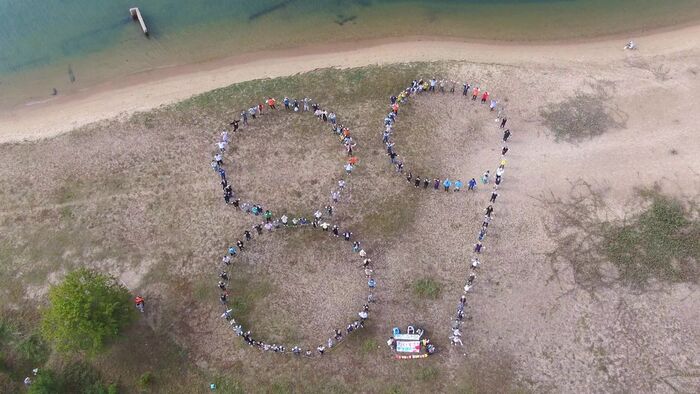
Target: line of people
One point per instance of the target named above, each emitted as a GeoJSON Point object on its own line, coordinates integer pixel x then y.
{"type": "Point", "coordinates": [270, 222]}
{"type": "Point", "coordinates": [417, 87]}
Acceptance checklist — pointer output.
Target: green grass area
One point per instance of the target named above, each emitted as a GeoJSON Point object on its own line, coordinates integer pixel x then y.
{"type": "Point", "coordinates": [662, 243]}
{"type": "Point", "coordinates": [426, 288]}
{"type": "Point", "coordinates": [659, 241]}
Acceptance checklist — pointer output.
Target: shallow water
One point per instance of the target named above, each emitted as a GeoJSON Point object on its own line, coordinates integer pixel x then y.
{"type": "Point", "coordinates": [72, 44]}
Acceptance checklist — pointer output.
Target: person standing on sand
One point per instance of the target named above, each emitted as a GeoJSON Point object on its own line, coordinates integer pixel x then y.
{"type": "Point", "coordinates": [472, 184]}
{"type": "Point", "coordinates": [506, 135]}
{"type": "Point", "coordinates": [504, 150]}
{"type": "Point", "coordinates": [475, 93]}
{"type": "Point", "coordinates": [489, 210]}
{"type": "Point", "coordinates": [493, 104]}
{"type": "Point", "coordinates": [426, 182]}
{"type": "Point", "coordinates": [494, 194]}
{"type": "Point", "coordinates": [485, 177]}
{"type": "Point", "coordinates": [417, 182]}
{"type": "Point", "coordinates": [503, 122]}
{"type": "Point", "coordinates": [458, 185]}
{"type": "Point", "coordinates": [465, 89]}
{"type": "Point", "coordinates": [436, 183]}
{"type": "Point", "coordinates": [446, 184]}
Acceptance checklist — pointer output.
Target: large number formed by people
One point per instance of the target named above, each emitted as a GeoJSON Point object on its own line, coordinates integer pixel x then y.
{"type": "Point", "coordinates": [321, 219]}
{"type": "Point", "coordinates": [478, 97]}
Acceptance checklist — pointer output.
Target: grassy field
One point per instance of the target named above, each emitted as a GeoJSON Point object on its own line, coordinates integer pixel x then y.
{"type": "Point", "coordinates": [136, 198]}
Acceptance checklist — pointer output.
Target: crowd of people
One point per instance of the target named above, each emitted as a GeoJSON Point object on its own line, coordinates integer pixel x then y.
{"type": "Point", "coordinates": [433, 85]}
{"type": "Point", "coordinates": [320, 219]}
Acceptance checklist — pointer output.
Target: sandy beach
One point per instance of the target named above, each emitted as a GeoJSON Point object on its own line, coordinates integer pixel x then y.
{"type": "Point", "coordinates": [153, 88]}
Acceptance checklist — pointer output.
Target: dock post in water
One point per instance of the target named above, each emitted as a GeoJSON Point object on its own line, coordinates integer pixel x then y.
{"type": "Point", "coordinates": [136, 15]}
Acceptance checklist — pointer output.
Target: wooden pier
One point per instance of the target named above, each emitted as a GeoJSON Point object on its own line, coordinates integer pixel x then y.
{"type": "Point", "coordinates": [136, 15]}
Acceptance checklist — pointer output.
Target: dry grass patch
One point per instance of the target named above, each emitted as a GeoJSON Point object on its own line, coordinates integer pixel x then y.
{"type": "Point", "coordinates": [585, 115]}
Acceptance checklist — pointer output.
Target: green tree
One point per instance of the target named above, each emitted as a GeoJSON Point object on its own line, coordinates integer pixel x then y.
{"type": "Point", "coordinates": [86, 310]}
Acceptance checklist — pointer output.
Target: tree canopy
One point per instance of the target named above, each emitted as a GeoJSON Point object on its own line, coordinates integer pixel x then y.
{"type": "Point", "coordinates": [86, 310]}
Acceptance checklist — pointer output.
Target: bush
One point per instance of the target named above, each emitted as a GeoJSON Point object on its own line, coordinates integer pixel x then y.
{"type": "Point", "coordinates": [76, 377]}
{"type": "Point", "coordinates": [34, 349]}
{"type": "Point", "coordinates": [46, 382]}
{"type": "Point", "coordinates": [86, 310]}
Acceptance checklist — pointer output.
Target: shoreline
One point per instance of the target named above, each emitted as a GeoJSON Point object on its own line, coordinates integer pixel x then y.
{"type": "Point", "coordinates": [148, 89]}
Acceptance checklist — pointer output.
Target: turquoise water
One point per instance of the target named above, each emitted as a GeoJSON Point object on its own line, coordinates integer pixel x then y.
{"type": "Point", "coordinates": [72, 44]}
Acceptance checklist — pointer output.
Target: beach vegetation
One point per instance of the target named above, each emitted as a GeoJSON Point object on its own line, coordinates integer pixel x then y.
{"type": "Point", "coordinates": [86, 310]}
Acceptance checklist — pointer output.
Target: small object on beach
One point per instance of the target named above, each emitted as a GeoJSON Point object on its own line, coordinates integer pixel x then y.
{"type": "Point", "coordinates": [136, 15]}
{"type": "Point", "coordinates": [55, 92]}
{"type": "Point", "coordinates": [631, 45]}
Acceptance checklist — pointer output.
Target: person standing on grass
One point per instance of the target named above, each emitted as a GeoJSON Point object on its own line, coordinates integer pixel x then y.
{"type": "Point", "coordinates": [260, 108]}
{"type": "Point", "coordinates": [385, 136]}
{"type": "Point", "coordinates": [332, 117]}
{"type": "Point", "coordinates": [446, 184]}
{"type": "Point", "coordinates": [234, 123]}
{"type": "Point", "coordinates": [286, 103]}
{"type": "Point", "coordinates": [458, 185]}
{"type": "Point", "coordinates": [252, 111]}
{"type": "Point", "coordinates": [306, 104]}
{"type": "Point", "coordinates": [271, 102]}
{"type": "Point", "coordinates": [244, 116]}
